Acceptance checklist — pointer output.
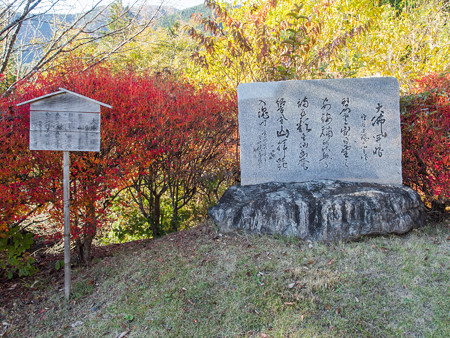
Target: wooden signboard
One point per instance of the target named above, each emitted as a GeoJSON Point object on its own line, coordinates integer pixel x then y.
{"type": "Point", "coordinates": [65, 121]}
{"type": "Point", "coordinates": [67, 131]}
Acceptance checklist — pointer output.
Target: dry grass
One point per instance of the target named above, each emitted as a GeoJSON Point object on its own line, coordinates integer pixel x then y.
{"type": "Point", "coordinates": [198, 283]}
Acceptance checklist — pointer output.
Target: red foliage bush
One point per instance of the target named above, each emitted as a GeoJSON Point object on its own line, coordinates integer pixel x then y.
{"type": "Point", "coordinates": [426, 140]}
{"type": "Point", "coordinates": [159, 128]}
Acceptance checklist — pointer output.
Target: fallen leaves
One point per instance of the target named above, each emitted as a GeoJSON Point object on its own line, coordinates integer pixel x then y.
{"type": "Point", "coordinates": [12, 287]}
{"type": "Point", "coordinates": [297, 283]}
{"type": "Point", "coordinates": [4, 329]}
{"type": "Point", "coordinates": [123, 334]}
{"type": "Point", "coordinates": [435, 241]}
{"type": "Point", "coordinates": [382, 248]}
{"type": "Point", "coordinates": [77, 323]}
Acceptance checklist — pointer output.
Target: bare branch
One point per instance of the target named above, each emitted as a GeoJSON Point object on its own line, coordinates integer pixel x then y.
{"type": "Point", "coordinates": [31, 5]}
{"type": "Point", "coordinates": [68, 35]}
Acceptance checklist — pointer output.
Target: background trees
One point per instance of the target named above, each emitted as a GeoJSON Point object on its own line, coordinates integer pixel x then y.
{"type": "Point", "coordinates": [276, 40]}
{"type": "Point", "coordinates": [34, 35]}
{"type": "Point", "coordinates": [169, 146]}
{"type": "Point", "coordinates": [406, 41]}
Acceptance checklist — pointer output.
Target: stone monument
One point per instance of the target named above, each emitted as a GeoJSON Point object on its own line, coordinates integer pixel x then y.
{"type": "Point", "coordinates": [320, 160]}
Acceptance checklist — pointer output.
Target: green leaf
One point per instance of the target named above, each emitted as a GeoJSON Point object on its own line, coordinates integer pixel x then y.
{"type": "Point", "coordinates": [59, 264]}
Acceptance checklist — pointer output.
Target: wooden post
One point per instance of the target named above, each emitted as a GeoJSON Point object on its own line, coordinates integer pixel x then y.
{"type": "Point", "coordinates": [66, 187]}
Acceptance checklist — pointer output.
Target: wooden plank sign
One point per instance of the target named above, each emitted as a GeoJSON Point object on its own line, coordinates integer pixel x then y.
{"type": "Point", "coordinates": [65, 121]}
{"type": "Point", "coordinates": [67, 131]}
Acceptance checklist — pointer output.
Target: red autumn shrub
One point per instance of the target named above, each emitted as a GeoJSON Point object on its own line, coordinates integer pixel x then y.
{"type": "Point", "coordinates": [160, 136]}
{"type": "Point", "coordinates": [426, 141]}
{"type": "Point", "coordinates": [26, 179]}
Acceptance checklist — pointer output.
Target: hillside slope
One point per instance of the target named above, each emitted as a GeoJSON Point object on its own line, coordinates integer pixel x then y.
{"type": "Point", "coordinates": [199, 283]}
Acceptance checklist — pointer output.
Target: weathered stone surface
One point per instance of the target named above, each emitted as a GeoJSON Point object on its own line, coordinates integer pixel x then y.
{"type": "Point", "coordinates": [339, 129]}
{"type": "Point", "coordinates": [323, 210]}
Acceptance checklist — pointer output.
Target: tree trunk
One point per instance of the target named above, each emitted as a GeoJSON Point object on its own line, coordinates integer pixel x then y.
{"type": "Point", "coordinates": [156, 216]}
{"type": "Point", "coordinates": [84, 242]}
{"type": "Point", "coordinates": [175, 223]}
{"type": "Point", "coordinates": [84, 249]}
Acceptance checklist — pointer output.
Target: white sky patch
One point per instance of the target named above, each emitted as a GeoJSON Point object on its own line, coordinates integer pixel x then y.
{"type": "Point", "coordinates": [79, 6]}
{"type": "Point", "coordinates": [82, 5]}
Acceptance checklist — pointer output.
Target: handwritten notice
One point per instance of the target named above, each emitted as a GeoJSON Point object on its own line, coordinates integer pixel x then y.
{"type": "Point", "coordinates": [68, 131]}
{"type": "Point", "coordinates": [344, 129]}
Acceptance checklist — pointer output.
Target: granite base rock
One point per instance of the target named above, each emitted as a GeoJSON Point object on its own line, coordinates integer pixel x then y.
{"type": "Point", "coordinates": [322, 210]}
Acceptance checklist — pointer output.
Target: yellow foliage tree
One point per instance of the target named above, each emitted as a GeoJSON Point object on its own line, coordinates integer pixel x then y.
{"type": "Point", "coordinates": [255, 40]}
{"type": "Point", "coordinates": [275, 40]}
{"type": "Point", "coordinates": [405, 45]}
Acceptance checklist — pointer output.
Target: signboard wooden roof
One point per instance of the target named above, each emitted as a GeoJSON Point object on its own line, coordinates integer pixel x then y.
{"type": "Point", "coordinates": [65, 121]}
{"type": "Point", "coordinates": [54, 101]}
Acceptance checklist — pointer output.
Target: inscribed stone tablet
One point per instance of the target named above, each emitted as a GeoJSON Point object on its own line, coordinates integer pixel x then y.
{"type": "Point", "coordinates": [343, 129]}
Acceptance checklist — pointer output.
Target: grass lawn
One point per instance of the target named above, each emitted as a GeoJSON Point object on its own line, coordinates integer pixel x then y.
{"type": "Point", "coordinates": [200, 283]}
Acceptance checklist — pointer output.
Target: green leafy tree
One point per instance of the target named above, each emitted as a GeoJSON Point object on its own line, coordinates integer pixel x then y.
{"type": "Point", "coordinates": [120, 18]}
{"type": "Point", "coordinates": [163, 50]}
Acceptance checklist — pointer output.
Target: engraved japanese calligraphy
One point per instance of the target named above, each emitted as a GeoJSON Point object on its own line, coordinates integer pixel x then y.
{"type": "Point", "coordinates": [303, 128]}
{"type": "Point", "coordinates": [294, 131]}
